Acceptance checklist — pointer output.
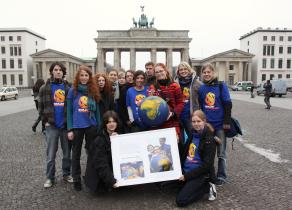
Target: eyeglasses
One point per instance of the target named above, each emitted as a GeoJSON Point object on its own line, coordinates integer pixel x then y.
{"type": "Point", "coordinates": [159, 72]}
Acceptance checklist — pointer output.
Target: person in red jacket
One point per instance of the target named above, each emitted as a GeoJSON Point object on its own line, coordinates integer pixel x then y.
{"type": "Point", "coordinates": [170, 91]}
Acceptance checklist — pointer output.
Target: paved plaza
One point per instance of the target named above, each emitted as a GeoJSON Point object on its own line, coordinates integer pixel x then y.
{"type": "Point", "coordinates": [260, 166]}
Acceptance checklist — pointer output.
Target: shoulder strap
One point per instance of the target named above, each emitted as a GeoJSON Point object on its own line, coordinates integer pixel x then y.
{"type": "Point", "coordinates": [220, 83]}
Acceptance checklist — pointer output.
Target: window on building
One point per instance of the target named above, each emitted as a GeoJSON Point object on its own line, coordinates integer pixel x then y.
{"type": "Point", "coordinates": [4, 79]}
{"type": "Point", "coordinates": [248, 50]}
{"type": "Point", "coordinates": [272, 63]}
{"type": "Point", "coordinates": [272, 50]}
{"type": "Point", "coordinates": [3, 64]}
{"type": "Point", "coordinates": [20, 63]}
{"type": "Point", "coordinates": [247, 43]}
{"type": "Point", "coordinates": [36, 50]}
{"type": "Point", "coordinates": [19, 51]}
{"type": "Point", "coordinates": [279, 76]}
{"type": "Point", "coordinates": [263, 77]}
{"type": "Point", "coordinates": [264, 50]}
{"type": "Point", "coordinates": [20, 79]}
{"type": "Point", "coordinates": [11, 63]}
{"type": "Point", "coordinates": [265, 38]}
{"type": "Point", "coordinates": [289, 38]}
{"type": "Point", "coordinates": [273, 38]}
{"type": "Point", "coordinates": [281, 38]}
{"type": "Point", "coordinates": [3, 50]}
{"type": "Point", "coordinates": [272, 76]}
{"type": "Point", "coordinates": [288, 63]}
{"type": "Point", "coordinates": [11, 38]}
{"type": "Point", "coordinates": [287, 76]}
{"type": "Point", "coordinates": [268, 50]}
{"type": "Point", "coordinates": [280, 63]}
{"type": "Point", "coordinates": [2, 38]}
{"type": "Point", "coordinates": [264, 63]}
{"type": "Point", "coordinates": [281, 50]}
{"type": "Point", "coordinates": [15, 51]}
{"type": "Point", "coordinates": [11, 51]}
{"type": "Point", "coordinates": [12, 79]}
{"type": "Point", "coordinates": [289, 50]}
{"type": "Point", "coordinates": [18, 38]}
{"type": "Point", "coordinates": [231, 67]}
{"type": "Point", "coordinates": [36, 43]}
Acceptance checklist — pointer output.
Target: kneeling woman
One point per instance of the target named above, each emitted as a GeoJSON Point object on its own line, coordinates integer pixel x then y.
{"type": "Point", "coordinates": [198, 162]}
{"type": "Point", "coordinates": [99, 173]}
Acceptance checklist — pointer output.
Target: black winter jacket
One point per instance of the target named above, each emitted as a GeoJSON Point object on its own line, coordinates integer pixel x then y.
{"type": "Point", "coordinates": [207, 151]}
{"type": "Point", "coordinates": [99, 172]}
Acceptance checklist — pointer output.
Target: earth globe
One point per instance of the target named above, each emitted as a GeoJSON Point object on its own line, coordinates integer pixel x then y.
{"type": "Point", "coordinates": [153, 111]}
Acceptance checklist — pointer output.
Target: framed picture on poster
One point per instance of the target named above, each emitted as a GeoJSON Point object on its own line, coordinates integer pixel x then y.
{"type": "Point", "coordinates": [145, 157]}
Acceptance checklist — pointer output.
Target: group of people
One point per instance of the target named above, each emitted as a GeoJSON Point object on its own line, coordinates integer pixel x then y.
{"type": "Point", "coordinates": [98, 106]}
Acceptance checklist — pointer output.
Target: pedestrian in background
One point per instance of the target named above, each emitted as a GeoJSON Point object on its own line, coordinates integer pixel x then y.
{"type": "Point", "coordinates": [35, 90]}
{"type": "Point", "coordinates": [52, 109]}
{"type": "Point", "coordinates": [268, 91]}
{"type": "Point", "coordinates": [251, 91]}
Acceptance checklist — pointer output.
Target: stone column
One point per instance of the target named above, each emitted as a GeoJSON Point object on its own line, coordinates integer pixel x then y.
{"type": "Point", "coordinates": [240, 71]}
{"type": "Point", "coordinates": [217, 70]}
{"type": "Point", "coordinates": [227, 72]}
{"type": "Point", "coordinates": [45, 73]}
{"type": "Point", "coordinates": [117, 58]}
{"type": "Point", "coordinates": [133, 59]}
{"type": "Point", "coordinates": [185, 55]}
{"type": "Point", "coordinates": [153, 55]}
{"type": "Point", "coordinates": [169, 59]}
{"type": "Point", "coordinates": [249, 71]}
{"type": "Point", "coordinates": [100, 60]}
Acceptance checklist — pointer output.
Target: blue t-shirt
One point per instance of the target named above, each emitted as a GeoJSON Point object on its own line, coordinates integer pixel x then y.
{"type": "Point", "coordinates": [81, 117]}
{"type": "Point", "coordinates": [185, 114]}
{"type": "Point", "coordinates": [58, 93]}
{"type": "Point", "coordinates": [212, 103]}
{"type": "Point", "coordinates": [193, 159]}
{"type": "Point", "coordinates": [133, 99]}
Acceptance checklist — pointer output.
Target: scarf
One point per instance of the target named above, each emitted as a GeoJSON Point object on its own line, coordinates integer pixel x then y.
{"type": "Point", "coordinates": [211, 82]}
{"type": "Point", "coordinates": [91, 102]}
{"type": "Point", "coordinates": [185, 80]}
{"type": "Point", "coordinates": [56, 81]}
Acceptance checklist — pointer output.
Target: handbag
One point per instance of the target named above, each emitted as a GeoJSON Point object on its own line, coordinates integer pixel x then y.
{"type": "Point", "coordinates": [235, 128]}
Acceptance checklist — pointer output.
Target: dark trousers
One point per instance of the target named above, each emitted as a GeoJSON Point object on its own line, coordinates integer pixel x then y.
{"type": "Point", "coordinates": [90, 134]}
{"type": "Point", "coordinates": [39, 118]}
{"type": "Point", "coordinates": [192, 190]}
{"type": "Point", "coordinates": [267, 101]}
{"type": "Point", "coordinates": [187, 127]}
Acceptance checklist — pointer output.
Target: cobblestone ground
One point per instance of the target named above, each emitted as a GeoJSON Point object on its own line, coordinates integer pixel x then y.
{"type": "Point", "coordinates": [254, 182]}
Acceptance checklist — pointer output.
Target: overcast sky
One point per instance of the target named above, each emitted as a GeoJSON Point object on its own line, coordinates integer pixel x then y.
{"type": "Point", "coordinates": [215, 25]}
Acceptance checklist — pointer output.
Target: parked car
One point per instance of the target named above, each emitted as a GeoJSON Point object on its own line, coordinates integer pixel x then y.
{"type": "Point", "coordinates": [279, 88]}
{"type": "Point", "coordinates": [242, 85]}
{"type": "Point", "coordinates": [8, 92]}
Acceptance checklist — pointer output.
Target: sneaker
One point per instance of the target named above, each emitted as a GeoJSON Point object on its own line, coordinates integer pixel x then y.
{"type": "Point", "coordinates": [68, 179]}
{"type": "Point", "coordinates": [212, 192]}
{"type": "Point", "coordinates": [49, 183]}
{"type": "Point", "coordinates": [219, 182]}
{"type": "Point", "coordinates": [77, 186]}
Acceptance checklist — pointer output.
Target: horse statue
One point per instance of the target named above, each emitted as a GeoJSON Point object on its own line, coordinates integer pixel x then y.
{"type": "Point", "coordinates": [151, 23]}
{"type": "Point", "coordinates": [134, 22]}
{"type": "Point", "coordinates": [143, 21]}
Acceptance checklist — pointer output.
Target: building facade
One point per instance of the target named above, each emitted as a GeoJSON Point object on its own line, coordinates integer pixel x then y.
{"type": "Point", "coordinates": [16, 64]}
{"type": "Point", "coordinates": [42, 61]}
{"type": "Point", "coordinates": [273, 53]}
{"type": "Point", "coordinates": [231, 66]}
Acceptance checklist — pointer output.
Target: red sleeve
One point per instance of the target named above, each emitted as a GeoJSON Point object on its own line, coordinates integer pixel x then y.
{"type": "Point", "coordinates": [178, 96]}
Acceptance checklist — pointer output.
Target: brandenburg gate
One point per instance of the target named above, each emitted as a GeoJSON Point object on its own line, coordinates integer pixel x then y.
{"type": "Point", "coordinates": [142, 37]}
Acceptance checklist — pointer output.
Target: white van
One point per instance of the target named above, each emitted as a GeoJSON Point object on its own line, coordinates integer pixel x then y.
{"type": "Point", "coordinates": [279, 88]}
{"type": "Point", "coordinates": [242, 85]}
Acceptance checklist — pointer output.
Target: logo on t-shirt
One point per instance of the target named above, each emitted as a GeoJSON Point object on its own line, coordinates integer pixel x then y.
{"type": "Point", "coordinates": [139, 98]}
{"type": "Point", "coordinates": [83, 107]}
{"type": "Point", "coordinates": [192, 152]}
{"type": "Point", "coordinates": [59, 97]}
{"type": "Point", "coordinates": [186, 94]}
{"type": "Point", "coordinates": [210, 100]}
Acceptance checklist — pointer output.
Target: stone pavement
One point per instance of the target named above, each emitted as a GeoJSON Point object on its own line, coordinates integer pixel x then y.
{"type": "Point", "coordinates": [254, 181]}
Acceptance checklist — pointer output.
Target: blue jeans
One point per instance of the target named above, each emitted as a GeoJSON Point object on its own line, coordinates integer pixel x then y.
{"type": "Point", "coordinates": [221, 154]}
{"type": "Point", "coordinates": [52, 137]}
